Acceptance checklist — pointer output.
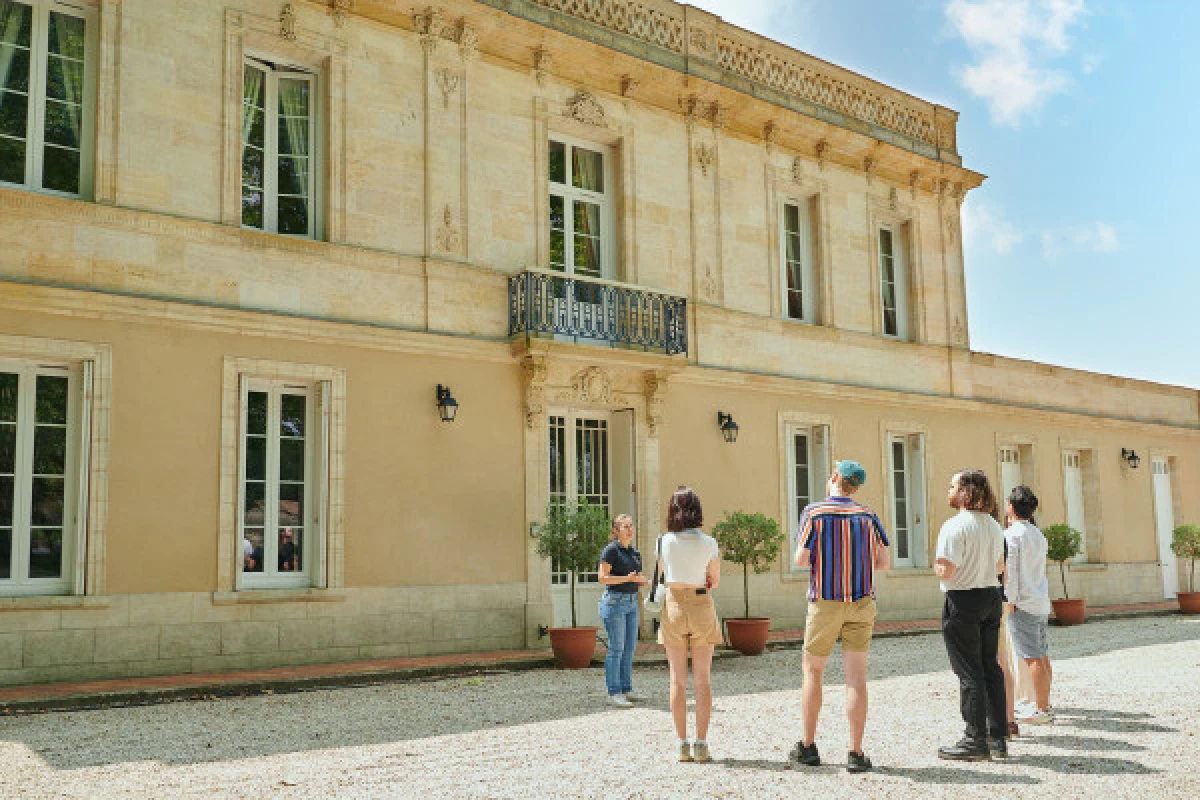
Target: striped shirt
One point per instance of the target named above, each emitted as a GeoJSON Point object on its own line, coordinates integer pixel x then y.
{"type": "Point", "coordinates": [842, 538]}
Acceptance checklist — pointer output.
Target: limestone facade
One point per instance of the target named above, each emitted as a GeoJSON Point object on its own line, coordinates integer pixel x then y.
{"type": "Point", "coordinates": [429, 155]}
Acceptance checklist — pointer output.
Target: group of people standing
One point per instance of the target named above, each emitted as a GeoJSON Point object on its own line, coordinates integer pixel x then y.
{"type": "Point", "coordinates": [996, 599]}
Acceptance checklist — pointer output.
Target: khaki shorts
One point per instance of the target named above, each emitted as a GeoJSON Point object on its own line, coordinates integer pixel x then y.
{"type": "Point", "coordinates": [688, 617]}
{"type": "Point", "coordinates": [829, 620]}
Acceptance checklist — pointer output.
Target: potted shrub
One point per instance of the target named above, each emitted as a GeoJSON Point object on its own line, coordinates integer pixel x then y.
{"type": "Point", "coordinates": [1185, 543]}
{"type": "Point", "coordinates": [1062, 544]}
{"type": "Point", "coordinates": [573, 537]}
{"type": "Point", "coordinates": [754, 541]}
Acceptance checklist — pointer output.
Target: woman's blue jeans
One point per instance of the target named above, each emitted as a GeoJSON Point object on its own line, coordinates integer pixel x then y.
{"type": "Point", "coordinates": [620, 614]}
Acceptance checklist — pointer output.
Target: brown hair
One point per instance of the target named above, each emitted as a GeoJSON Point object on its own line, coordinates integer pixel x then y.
{"type": "Point", "coordinates": [975, 492]}
{"type": "Point", "coordinates": [684, 511]}
{"type": "Point", "coordinates": [616, 523]}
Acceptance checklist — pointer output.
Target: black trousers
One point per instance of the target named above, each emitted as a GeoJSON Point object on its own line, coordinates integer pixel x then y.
{"type": "Point", "coordinates": [971, 628]}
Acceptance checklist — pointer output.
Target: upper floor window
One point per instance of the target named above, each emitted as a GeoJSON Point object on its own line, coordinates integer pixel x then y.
{"type": "Point", "coordinates": [46, 105]}
{"type": "Point", "coordinates": [893, 277]}
{"type": "Point", "coordinates": [581, 212]}
{"type": "Point", "coordinates": [799, 279]}
{"type": "Point", "coordinates": [278, 148]}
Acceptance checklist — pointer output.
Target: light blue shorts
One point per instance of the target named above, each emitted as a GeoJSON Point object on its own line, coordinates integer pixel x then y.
{"type": "Point", "coordinates": [1029, 634]}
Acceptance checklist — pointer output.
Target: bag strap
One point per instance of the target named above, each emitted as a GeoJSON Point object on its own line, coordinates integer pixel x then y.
{"type": "Point", "coordinates": [657, 558]}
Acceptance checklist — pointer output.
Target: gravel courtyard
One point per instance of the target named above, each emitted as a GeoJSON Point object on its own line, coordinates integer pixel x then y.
{"type": "Point", "coordinates": [1127, 692]}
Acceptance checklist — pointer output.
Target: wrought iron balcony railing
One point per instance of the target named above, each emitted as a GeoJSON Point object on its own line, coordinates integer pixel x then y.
{"type": "Point", "coordinates": [591, 311]}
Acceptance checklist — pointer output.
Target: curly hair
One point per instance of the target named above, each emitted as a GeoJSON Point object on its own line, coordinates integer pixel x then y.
{"type": "Point", "coordinates": [685, 511]}
{"type": "Point", "coordinates": [975, 492]}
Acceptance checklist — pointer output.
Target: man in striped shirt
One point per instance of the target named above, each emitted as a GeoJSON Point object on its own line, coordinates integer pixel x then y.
{"type": "Point", "coordinates": [843, 543]}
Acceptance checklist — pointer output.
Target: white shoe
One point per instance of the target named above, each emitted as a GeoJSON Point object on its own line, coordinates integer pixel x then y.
{"type": "Point", "coordinates": [620, 701]}
{"type": "Point", "coordinates": [635, 697]}
{"type": "Point", "coordinates": [1038, 718]}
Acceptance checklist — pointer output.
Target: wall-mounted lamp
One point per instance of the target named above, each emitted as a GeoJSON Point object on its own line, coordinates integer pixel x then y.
{"type": "Point", "coordinates": [1131, 457]}
{"type": "Point", "coordinates": [446, 404]}
{"type": "Point", "coordinates": [729, 428]}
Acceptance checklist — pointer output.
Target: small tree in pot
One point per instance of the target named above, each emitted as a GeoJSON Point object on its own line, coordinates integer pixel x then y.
{"type": "Point", "coordinates": [754, 541]}
{"type": "Point", "coordinates": [572, 537]}
{"type": "Point", "coordinates": [1062, 544]}
{"type": "Point", "coordinates": [1185, 543]}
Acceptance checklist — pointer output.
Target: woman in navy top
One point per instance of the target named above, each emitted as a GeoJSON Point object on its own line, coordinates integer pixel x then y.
{"type": "Point", "coordinates": [621, 573]}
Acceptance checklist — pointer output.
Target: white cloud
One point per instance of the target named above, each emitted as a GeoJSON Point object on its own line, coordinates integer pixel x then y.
{"type": "Point", "coordinates": [984, 225]}
{"type": "Point", "coordinates": [1010, 40]}
{"type": "Point", "coordinates": [1097, 237]}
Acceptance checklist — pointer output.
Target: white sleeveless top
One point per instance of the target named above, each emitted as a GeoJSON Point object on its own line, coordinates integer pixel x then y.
{"type": "Point", "coordinates": [685, 556]}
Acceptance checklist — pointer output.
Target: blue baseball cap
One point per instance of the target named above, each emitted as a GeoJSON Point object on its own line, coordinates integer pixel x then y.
{"type": "Point", "coordinates": [852, 471]}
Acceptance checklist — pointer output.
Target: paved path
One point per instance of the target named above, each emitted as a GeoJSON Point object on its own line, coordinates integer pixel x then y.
{"type": "Point", "coordinates": [1129, 726]}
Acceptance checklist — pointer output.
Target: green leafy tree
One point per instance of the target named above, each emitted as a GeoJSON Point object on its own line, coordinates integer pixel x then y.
{"type": "Point", "coordinates": [752, 540]}
{"type": "Point", "coordinates": [573, 537]}
{"type": "Point", "coordinates": [1062, 544]}
{"type": "Point", "coordinates": [1185, 543]}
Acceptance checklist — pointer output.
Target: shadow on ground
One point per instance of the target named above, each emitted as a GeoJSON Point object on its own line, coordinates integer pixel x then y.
{"type": "Point", "coordinates": [233, 729]}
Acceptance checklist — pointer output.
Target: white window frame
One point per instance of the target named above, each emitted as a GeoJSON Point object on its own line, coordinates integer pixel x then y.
{"type": "Point", "coordinates": [899, 263]}
{"type": "Point", "coordinates": [571, 194]}
{"type": "Point", "coordinates": [808, 293]}
{"type": "Point", "coordinates": [1074, 459]}
{"type": "Point", "coordinates": [313, 528]}
{"type": "Point", "coordinates": [820, 464]}
{"type": "Point", "coordinates": [915, 445]}
{"type": "Point", "coordinates": [36, 124]}
{"type": "Point", "coordinates": [569, 458]}
{"type": "Point", "coordinates": [75, 494]}
{"type": "Point", "coordinates": [274, 71]}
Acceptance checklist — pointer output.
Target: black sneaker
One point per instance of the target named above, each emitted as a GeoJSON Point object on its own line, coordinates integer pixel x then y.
{"type": "Point", "coordinates": [966, 750]}
{"type": "Point", "coordinates": [857, 762]}
{"type": "Point", "coordinates": [805, 755]}
{"type": "Point", "coordinates": [998, 748]}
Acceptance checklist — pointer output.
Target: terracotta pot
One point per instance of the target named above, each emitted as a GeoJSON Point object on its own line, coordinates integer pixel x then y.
{"type": "Point", "coordinates": [1189, 602]}
{"type": "Point", "coordinates": [748, 635]}
{"type": "Point", "coordinates": [573, 647]}
{"type": "Point", "coordinates": [1070, 612]}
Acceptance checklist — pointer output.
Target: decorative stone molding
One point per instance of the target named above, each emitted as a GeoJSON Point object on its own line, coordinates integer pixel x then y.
{"type": "Point", "coordinates": [700, 42]}
{"type": "Point", "coordinates": [542, 59]}
{"type": "Point", "coordinates": [692, 108]}
{"type": "Point", "coordinates": [448, 236]}
{"type": "Point", "coordinates": [655, 390]}
{"type": "Point", "coordinates": [592, 385]}
{"type": "Point", "coordinates": [893, 198]}
{"type": "Point", "coordinates": [448, 82]}
{"type": "Point", "coordinates": [585, 108]}
{"type": "Point", "coordinates": [719, 116]}
{"type": "Point", "coordinates": [797, 170]}
{"type": "Point", "coordinates": [629, 85]}
{"type": "Point", "coordinates": [535, 372]}
{"type": "Point", "coordinates": [287, 22]}
{"type": "Point", "coordinates": [869, 168]}
{"type": "Point", "coordinates": [468, 40]}
{"type": "Point", "coordinates": [706, 156]}
{"type": "Point", "coordinates": [822, 152]}
{"type": "Point", "coordinates": [625, 16]}
{"type": "Point", "coordinates": [430, 25]}
{"type": "Point", "coordinates": [340, 9]}
{"type": "Point", "coordinates": [914, 182]}
{"type": "Point", "coordinates": [770, 135]}
{"type": "Point", "coordinates": [708, 287]}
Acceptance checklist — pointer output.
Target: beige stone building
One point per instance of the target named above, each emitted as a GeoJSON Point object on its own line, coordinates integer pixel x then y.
{"type": "Point", "coordinates": [243, 243]}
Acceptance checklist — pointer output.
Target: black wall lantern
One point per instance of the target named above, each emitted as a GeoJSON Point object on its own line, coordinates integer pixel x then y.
{"type": "Point", "coordinates": [1131, 457]}
{"type": "Point", "coordinates": [729, 428]}
{"type": "Point", "coordinates": [447, 405]}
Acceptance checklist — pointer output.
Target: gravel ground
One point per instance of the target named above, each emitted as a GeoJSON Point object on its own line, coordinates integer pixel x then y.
{"type": "Point", "coordinates": [1128, 695]}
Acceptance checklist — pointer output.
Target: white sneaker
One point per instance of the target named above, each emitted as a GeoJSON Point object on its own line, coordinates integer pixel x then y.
{"type": "Point", "coordinates": [635, 697]}
{"type": "Point", "coordinates": [1038, 718]}
{"type": "Point", "coordinates": [620, 701]}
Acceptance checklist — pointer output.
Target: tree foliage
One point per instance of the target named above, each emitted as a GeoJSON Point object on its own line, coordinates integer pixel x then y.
{"type": "Point", "coordinates": [1185, 543]}
{"type": "Point", "coordinates": [573, 536]}
{"type": "Point", "coordinates": [1062, 544]}
{"type": "Point", "coordinates": [752, 540]}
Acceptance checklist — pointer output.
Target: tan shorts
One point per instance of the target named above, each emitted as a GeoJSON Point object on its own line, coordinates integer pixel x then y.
{"type": "Point", "coordinates": [688, 617]}
{"type": "Point", "coordinates": [829, 620]}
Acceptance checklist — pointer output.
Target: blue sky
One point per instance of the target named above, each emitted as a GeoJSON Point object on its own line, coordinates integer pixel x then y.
{"type": "Point", "coordinates": [1084, 116]}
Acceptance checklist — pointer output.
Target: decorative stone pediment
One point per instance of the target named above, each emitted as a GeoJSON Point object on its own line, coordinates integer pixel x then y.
{"type": "Point", "coordinates": [585, 108]}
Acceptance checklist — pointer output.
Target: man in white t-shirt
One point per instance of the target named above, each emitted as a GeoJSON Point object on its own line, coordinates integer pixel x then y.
{"type": "Point", "coordinates": [970, 554]}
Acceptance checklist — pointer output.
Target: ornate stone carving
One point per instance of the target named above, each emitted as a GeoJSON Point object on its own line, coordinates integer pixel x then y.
{"type": "Point", "coordinates": [448, 82]}
{"type": "Point", "coordinates": [655, 390]}
{"type": "Point", "coordinates": [628, 17]}
{"type": "Point", "coordinates": [448, 236]}
{"type": "Point", "coordinates": [822, 151]}
{"type": "Point", "coordinates": [951, 228]}
{"type": "Point", "coordinates": [798, 170]}
{"type": "Point", "coordinates": [340, 9]}
{"type": "Point", "coordinates": [706, 156]}
{"type": "Point", "coordinates": [287, 22]}
{"type": "Point", "coordinates": [708, 287]}
{"type": "Point", "coordinates": [542, 58]}
{"type": "Point", "coordinates": [592, 385]}
{"type": "Point", "coordinates": [914, 182]}
{"type": "Point", "coordinates": [691, 106]}
{"type": "Point", "coordinates": [893, 198]}
{"type": "Point", "coordinates": [869, 168]}
{"type": "Point", "coordinates": [700, 42]}
{"type": "Point", "coordinates": [958, 333]}
{"type": "Point", "coordinates": [468, 40]}
{"type": "Point", "coordinates": [535, 372]}
{"type": "Point", "coordinates": [585, 108]}
{"type": "Point", "coordinates": [629, 85]}
{"type": "Point", "coordinates": [770, 135]}
{"type": "Point", "coordinates": [430, 25]}
{"type": "Point", "coordinates": [719, 116]}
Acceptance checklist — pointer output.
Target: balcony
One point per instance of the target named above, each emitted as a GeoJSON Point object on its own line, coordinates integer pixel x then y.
{"type": "Point", "coordinates": [572, 308]}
